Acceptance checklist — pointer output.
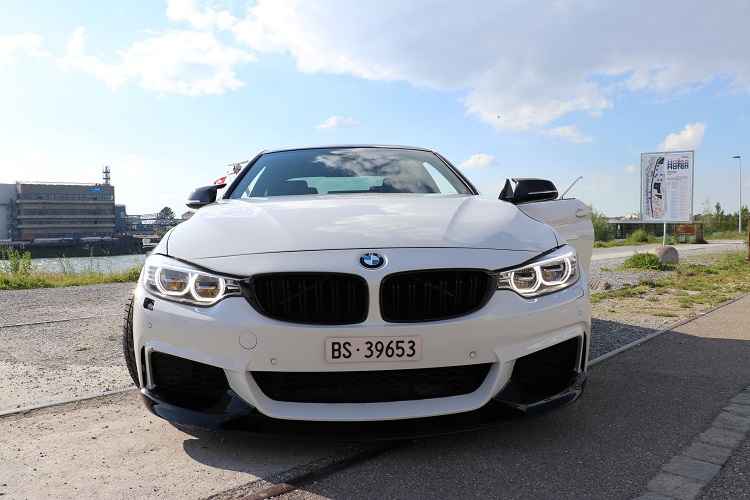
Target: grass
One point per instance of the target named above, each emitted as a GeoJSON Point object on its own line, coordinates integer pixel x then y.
{"type": "Point", "coordinates": [18, 272]}
{"type": "Point", "coordinates": [728, 235]}
{"type": "Point", "coordinates": [694, 285]}
{"type": "Point", "coordinates": [646, 262]}
{"type": "Point", "coordinates": [639, 237]}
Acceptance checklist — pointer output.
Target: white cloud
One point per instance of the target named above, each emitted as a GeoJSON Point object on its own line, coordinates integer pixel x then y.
{"type": "Point", "coordinates": [186, 62]}
{"type": "Point", "coordinates": [478, 161]}
{"type": "Point", "coordinates": [631, 169]}
{"type": "Point", "coordinates": [569, 133]}
{"type": "Point", "coordinates": [28, 43]}
{"type": "Point", "coordinates": [604, 182]}
{"type": "Point", "coordinates": [338, 123]}
{"type": "Point", "coordinates": [517, 65]}
{"type": "Point", "coordinates": [200, 17]}
{"type": "Point", "coordinates": [689, 139]}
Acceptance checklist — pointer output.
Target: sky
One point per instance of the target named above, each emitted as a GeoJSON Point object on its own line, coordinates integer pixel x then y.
{"type": "Point", "coordinates": [167, 94]}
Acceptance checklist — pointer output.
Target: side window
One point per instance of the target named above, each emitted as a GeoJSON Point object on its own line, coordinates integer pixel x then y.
{"type": "Point", "coordinates": [443, 185]}
{"type": "Point", "coordinates": [248, 192]}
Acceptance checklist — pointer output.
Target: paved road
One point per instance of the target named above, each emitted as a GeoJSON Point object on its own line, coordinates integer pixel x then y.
{"type": "Point", "coordinates": [713, 246]}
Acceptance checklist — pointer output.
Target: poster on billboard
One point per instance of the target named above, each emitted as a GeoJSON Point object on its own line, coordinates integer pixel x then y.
{"type": "Point", "coordinates": [667, 186]}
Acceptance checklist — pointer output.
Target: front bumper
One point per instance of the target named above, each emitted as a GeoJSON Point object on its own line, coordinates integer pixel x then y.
{"type": "Point", "coordinates": [230, 344]}
{"type": "Point", "coordinates": [230, 414]}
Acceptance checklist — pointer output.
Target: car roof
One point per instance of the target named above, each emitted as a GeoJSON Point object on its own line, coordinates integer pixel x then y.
{"type": "Point", "coordinates": [347, 146]}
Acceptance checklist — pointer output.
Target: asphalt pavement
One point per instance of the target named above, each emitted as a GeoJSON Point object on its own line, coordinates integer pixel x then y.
{"type": "Point", "coordinates": [668, 418]}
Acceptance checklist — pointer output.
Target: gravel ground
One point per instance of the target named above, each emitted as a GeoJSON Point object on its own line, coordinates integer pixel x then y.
{"type": "Point", "coordinates": [608, 335]}
{"type": "Point", "coordinates": [60, 343]}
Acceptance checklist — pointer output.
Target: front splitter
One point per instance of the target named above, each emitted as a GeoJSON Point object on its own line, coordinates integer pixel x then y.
{"type": "Point", "coordinates": [228, 413]}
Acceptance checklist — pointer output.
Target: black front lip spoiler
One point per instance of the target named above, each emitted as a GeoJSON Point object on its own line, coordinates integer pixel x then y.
{"type": "Point", "coordinates": [230, 414]}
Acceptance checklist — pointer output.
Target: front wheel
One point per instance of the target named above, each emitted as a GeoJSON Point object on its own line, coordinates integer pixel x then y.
{"type": "Point", "coordinates": [128, 349]}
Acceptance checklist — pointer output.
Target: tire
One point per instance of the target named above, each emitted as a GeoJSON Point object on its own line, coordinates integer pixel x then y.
{"type": "Point", "coordinates": [128, 350]}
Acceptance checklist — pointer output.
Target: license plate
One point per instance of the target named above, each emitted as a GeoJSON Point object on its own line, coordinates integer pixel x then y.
{"type": "Point", "coordinates": [360, 349]}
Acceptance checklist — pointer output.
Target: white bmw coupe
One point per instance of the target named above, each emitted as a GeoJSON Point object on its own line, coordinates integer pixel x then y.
{"type": "Point", "coordinates": [363, 292]}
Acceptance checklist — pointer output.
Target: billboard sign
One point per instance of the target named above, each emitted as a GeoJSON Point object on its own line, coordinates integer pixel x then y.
{"type": "Point", "coordinates": [667, 186]}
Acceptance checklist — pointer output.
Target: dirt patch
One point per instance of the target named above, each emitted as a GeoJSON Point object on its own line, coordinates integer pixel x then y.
{"type": "Point", "coordinates": [640, 297]}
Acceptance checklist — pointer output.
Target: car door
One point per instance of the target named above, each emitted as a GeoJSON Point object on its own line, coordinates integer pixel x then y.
{"type": "Point", "coordinates": [571, 218]}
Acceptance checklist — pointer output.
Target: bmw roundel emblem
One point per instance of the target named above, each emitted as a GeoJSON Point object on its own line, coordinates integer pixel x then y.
{"type": "Point", "coordinates": [372, 260]}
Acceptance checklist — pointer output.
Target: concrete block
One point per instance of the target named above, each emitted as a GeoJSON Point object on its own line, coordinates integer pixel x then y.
{"type": "Point", "coordinates": [733, 422]}
{"type": "Point", "coordinates": [738, 409]}
{"type": "Point", "coordinates": [667, 254]}
{"type": "Point", "coordinates": [691, 468]}
{"type": "Point", "coordinates": [722, 437]}
{"type": "Point", "coordinates": [674, 486]}
{"type": "Point", "coordinates": [742, 398]}
{"type": "Point", "coordinates": [707, 452]}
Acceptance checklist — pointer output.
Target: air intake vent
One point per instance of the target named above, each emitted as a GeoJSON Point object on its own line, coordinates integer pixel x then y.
{"type": "Point", "coordinates": [433, 295]}
{"type": "Point", "coordinates": [541, 367]}
{"type": "Point", "coordinates": [172, 373]}
{"type": "Point", "coordinates": [371, 386]}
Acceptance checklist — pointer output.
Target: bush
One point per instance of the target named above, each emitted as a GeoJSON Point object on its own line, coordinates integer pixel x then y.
{"type": "Point", "coordinates": [645, 261]}
{"type": "Point", "coordinates": [602, 227]}
{"type": "Point", "coordinates": [14, 262]}
{"type": "Point", "coordinates": [637, 236]}
{"type": "Point", "coordinates": [18, 272]}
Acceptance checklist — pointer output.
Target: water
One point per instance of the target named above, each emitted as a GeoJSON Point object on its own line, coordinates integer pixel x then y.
{"type": "Point", "coordinates": [78, 264]}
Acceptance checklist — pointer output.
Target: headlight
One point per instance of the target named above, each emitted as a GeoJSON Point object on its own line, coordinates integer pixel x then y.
{"type": "Point", "coordinates": [550, 273]}
{"type": "Point", "coordinates": [177, 281]}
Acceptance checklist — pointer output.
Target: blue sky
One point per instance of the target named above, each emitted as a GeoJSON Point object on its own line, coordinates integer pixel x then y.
{"type": "Point", "coordinates": [168, 93]}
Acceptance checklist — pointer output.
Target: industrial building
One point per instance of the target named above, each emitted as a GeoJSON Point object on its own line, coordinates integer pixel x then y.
{"type": "Point", "coordinates": [72, 214]}
{"type": "Point", "coordinates": [37, 211]}
{"type": "Point", "coordinates": [51, 210]}
{"type": "Point", "coordinates": [7, 204]}
{"type": "Point", "coordinates": [51, 219]}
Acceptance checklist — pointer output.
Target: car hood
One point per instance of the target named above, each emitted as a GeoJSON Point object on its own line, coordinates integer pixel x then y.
{"type": "Point", "coordinates": [311, 223]}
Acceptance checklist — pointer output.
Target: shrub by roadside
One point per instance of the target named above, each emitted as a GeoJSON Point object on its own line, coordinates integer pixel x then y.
{"type": "Point", "coordinates": [17, 272]}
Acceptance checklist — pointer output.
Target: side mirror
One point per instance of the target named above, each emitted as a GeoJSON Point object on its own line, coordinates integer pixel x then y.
{"type": "Point", "coordinates": [203, 196]}
{"type": "Point", "coordinates": [528, 190]}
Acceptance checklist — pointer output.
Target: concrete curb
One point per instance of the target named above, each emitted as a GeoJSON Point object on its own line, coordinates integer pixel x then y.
{"type": "Point", "coordinates": [688, 472]}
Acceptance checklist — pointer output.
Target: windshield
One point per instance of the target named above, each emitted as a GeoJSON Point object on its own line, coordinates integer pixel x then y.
{"type": "Point", "coordinates": [348, 171]}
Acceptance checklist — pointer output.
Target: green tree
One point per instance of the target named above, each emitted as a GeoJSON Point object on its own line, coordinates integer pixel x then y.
{"type": "Point", "coordinates": [602, 227]}
{"type": "Point", "coordinates": [167, 214]}
{"type": "Point", "coordinates": [165, 219]}
{"type": "Point", "coordinates": [706, 217]}
{"type": "Point", "coordinates": [722, 221]}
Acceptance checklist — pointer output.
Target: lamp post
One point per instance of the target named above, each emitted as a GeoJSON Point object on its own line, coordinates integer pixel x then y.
{"type": "Point", "coordinates": [739, 211]}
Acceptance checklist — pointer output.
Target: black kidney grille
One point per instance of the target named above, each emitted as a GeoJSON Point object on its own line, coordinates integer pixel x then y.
{"type": "Point", "coordinates": [311, 298]}
{"type": "Point", "coordinates": [183, 375]}
{"type": "Point", "coordinates": [433, 295]}
{"type": "Point", "coordinates": [548, 364]}
{"type": "Point", "coordinates": [371, 386]}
